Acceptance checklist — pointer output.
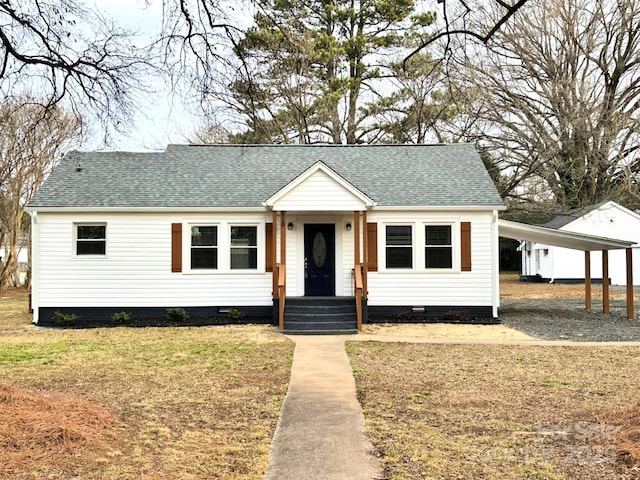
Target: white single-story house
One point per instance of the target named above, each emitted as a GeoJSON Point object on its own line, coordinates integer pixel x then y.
{"type": "Point", "coordinates": [265, 231]}
{"type": "Point", "coordinates": [548, 263]}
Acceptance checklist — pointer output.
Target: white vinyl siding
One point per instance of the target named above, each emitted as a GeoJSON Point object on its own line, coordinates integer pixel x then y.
{"type": "Point", "coordinates": [319, 192]}
{"type": "Point", "coordinates": [422, 287]}
{"type": "Point", "coordinates": [137, 269]}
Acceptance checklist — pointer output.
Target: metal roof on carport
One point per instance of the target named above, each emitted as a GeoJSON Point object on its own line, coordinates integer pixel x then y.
{"type": "Point", "coordinates": [576, 241]}
{"type": "Point", "coordinates": [559, 238]}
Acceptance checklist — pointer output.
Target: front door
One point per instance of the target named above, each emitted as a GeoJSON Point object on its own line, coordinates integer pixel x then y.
{"type": "Point", "coordinates": [319, 260]}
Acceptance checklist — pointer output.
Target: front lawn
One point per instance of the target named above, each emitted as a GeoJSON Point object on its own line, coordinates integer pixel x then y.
{"type": "Point", "coordinates": [188, 403]}
{"type": "Point", "coordinates": [496, 412]}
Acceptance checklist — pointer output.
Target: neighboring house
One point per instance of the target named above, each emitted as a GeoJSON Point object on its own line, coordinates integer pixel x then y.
{"type": "Point", "coordinates": [23, 258]}
{"type": "Point", "coordinates": [561, 265]}
{"type": "Point", "coordinates": [412, 229]}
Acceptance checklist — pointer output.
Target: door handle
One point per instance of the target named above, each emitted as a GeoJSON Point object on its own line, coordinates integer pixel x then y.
{"type": "Point", "coordinates": [305, 268]}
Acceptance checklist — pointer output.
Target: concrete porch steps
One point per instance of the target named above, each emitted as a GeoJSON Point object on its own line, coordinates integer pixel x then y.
{"type": "Point", "coordinates": [320, 315]}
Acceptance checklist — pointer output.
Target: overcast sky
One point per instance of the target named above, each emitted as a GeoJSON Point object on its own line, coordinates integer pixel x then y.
{"type": "Point", "coordinates": [161, 118]}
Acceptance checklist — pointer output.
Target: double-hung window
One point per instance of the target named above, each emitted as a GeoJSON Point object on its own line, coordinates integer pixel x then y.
{"type": "Point", "coordinates": [399, 246]}
{"type": "Point", "coordinates": [204, 247]}
{"type": "Point", "coordinates": [91, 239]}
{"type": "Point", "coordinates": [438, 250]}
{"type": "Point", "coordinates": [244, 247]}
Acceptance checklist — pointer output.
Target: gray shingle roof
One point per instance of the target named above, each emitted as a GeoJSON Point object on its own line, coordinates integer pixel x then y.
{"type": "Point", "coordinates": [563, 219]}
{"type": "Point", "coordinates": [247, 175]}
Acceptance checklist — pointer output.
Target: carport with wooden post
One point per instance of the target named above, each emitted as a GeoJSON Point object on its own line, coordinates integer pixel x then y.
{"type": "Point", "coordinates": [578, 241]}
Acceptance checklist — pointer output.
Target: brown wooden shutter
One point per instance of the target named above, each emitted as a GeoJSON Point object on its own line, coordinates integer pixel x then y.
{"type": "Point", "coordinates": [465, 246]}
{"type": "Point", "coordinates": [176, 247]}
{"type": "Point", "coordinates": [268, 247]}
{"type": "Point", "coordinates": [372, 246]}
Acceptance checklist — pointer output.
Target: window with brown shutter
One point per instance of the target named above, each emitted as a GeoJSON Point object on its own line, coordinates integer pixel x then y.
{"type": "Point", "coordinates": [465, 246]}
{"type": "Point", "coordinates": [176, 247]}
{"type": "Point", "coordinates": [372, 246]}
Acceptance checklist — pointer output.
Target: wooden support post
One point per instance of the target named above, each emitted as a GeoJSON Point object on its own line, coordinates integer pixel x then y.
{"type": "Point", "coordinates": [587, 280]}
{"type": "Point", "coordinates": [365, 255]}
{"type": "Point", "coordinates": [282, 281]}
{"type": "Point", "coordinates": [357, 269]}
{"type": "Point", "coordinates": [605, 282]}
{"type": "Point", "coordinates": [630, 312]}
{"type": "Point", "coordinates": [283, 238]}
{"type": "Point", "coordinates": [356, 238]}
{"type": "Point", "coordinates": [274, 254]}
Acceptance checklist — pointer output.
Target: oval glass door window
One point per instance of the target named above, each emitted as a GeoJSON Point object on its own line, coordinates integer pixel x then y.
{"type": "Point", "coordinates": [319, 250]}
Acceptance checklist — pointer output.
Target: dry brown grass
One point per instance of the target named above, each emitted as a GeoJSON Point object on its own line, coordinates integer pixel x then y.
{"type": "Point", "coordinates": [512, 288]}
{"type": "Point", "coordinates": [37, 429]}
{"type": "Point", "coordinates": [439, 331]}
{"type": "Point", "coordinates": [496, 412]}
{"type": "Point", "coordinates": [188, 403]}
{"type": "Point", "coordinates": [628, 436]}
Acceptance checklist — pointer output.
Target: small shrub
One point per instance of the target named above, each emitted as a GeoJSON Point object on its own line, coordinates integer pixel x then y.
{"type": "Point", "coordinates": [121, 318]}
{"type": "Point", "coordinates": [65, 319]}
{"type": "Point", "coordinates": [177, 314]}
{"type": "Point", "coordinates": [235, 314]}
{"type": "Point", "coordinates": [403, 316]}
{"type": "Point", "coordinates": [456, 316]}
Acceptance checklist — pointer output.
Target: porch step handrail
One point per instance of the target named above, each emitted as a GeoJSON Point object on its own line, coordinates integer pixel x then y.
{"type": "Point", "coordinates": [282, 291]}
{"type": "Point", "coordinates": [358, 294]}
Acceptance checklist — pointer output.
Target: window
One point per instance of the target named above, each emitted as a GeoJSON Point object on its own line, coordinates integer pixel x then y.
{"type": "Point", "coordinates": [204, 247]}
{"type": "Point", "coordinates": [244, 248]}
{"type": "Point", "coordinates": [91, 239]}
{"type": "Point", "coordinates": [399, 246]}
{"type": "Point", "coordinates": [438, 249]}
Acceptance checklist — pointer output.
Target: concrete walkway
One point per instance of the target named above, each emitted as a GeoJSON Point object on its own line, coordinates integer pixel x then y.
{"type": "Point", "coordinates": [320, 434]}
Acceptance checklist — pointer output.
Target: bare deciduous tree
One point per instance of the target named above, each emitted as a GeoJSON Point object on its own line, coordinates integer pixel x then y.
{"type": "Point", "coordinates": [561, 100]}
{"type": "Point", "coordinates": [460, 20]}
{"type": "Point", "coordinates": [32, 140]}
{"type": "Point", "coordinates": [62, 51]}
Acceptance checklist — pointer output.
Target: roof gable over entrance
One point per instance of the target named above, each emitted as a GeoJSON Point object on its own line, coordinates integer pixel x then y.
{"type": "Point", "coordinates": [319, 188]}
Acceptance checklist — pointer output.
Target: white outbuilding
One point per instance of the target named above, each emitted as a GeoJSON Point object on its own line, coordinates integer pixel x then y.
{"type": "Point", "coordinates": [556, 264]}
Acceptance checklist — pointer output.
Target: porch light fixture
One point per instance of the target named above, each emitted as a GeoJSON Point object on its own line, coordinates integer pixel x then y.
{"type": "Point", "coordinates": [290, 226]}
{"type": "Point", "coordinates": [348, 225]}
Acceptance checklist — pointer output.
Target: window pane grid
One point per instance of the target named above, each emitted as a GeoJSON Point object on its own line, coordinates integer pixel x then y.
{"type": "Point", "coordinates": [91, 239]}
{"type": "Point", "coordinates": [204, 247]}
{"type": "Point", "coordinates": [438, 248]}
{"type": "Point", "coordinates": [244, 248]}
{"type": "Point", "coordinates": [399, 246]}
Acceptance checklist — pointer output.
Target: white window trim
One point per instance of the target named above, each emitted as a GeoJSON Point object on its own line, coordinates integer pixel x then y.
{"type": "Point", "coordinates": [455, 246]}
{"type": "Point", "coordinates": [260, 241]}
{"type": "Point", "coordinates": [382, 240]}
{"type": "Point", "coordinates": [224, 246]}
{"type": "Point", "coordinates": [75, 226]}
{"type": "Point", "coordinates": [186, 242]}
{"type": "Point", "coordinates": [419, 245]}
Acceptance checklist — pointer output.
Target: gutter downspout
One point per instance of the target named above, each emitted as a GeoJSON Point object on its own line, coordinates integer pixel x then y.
{"type": "Point", "coordinates": [35, 264]}
{"type": "Point", "coordinates": [495, 274]}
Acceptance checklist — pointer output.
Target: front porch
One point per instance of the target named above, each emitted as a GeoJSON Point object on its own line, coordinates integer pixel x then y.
{"type": "Point", "coordinates": [319, 266]}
